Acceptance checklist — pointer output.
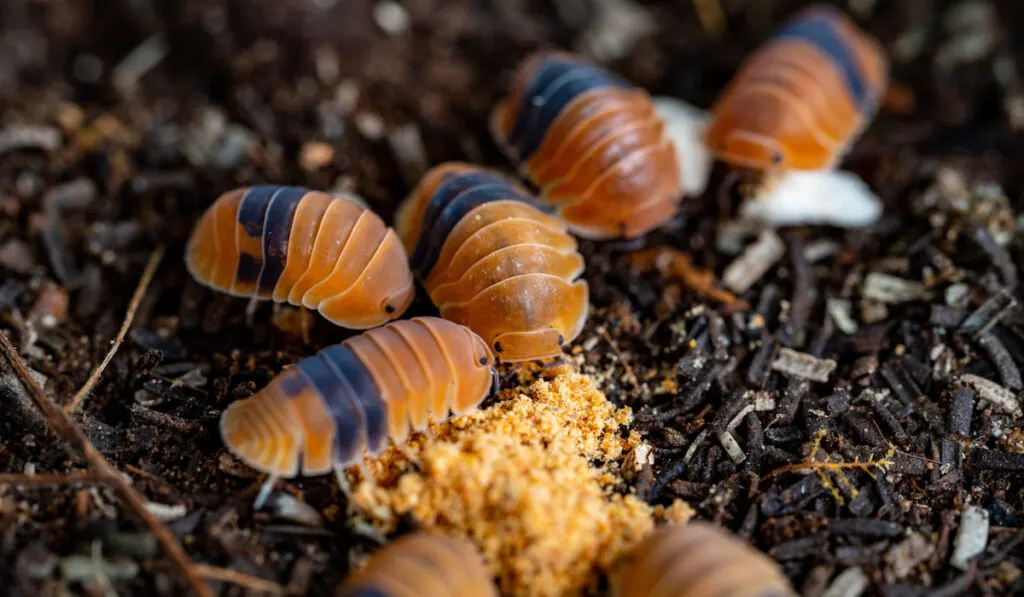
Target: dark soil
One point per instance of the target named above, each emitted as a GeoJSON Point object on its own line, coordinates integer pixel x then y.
{"type": "Point", "coordinates": [99, 166]}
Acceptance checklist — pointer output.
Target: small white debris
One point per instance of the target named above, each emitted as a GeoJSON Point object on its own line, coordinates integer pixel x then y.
{"type": "Point", "coordinates": [692, 449]}
{"type": "Point", "coordinates": [971, 537]}
{"type": "Point", "coordinates": [735, 422]}
{"type": "Point", "coordinates": [79, 568]}
{"type": "Point", "coordinates": [993, 392]}
{"type": "Point", "coordinates": [840, 310]}
{"type": "Point", "coordinates": [166, 512]}
{"type": "Point", "coordinates": [851, 582]}
{"type": "Point", "coordinates": [956, 295]}
{"type": "Point", "coordinates": [886, 288]}
{"type": "Point", "coordinates": [903, 558]}
{"type": "Point", "coordinates": [828, 197]}
{"type": "Point", "coordinates": [391, 17]}
{"type": "Point", "coordinates": [285, 506]}
{"type": "Point", "coordinates": [640, 458]}
{"type": "Point", "coordinates": [29, 136]}
{"type": "Point", "coordinates": [144, 58]}
{"type": "Point", "coordinates": [731, 447]}
{"type": "Point", "coordinates": [369, 125]}
{"type": "Point", "coordinates": [616, 28]}
{"type": "Point", "coordinates": [755, 261]}
{"type": "Point", "coordinates": [821, 249]}
{"type": "Point", "coordinates": [407, 146]}
{"type": "Point", "coordinates": [801, 364]}
{"type": "Point", "coordinates": [764, 402]}
{"type": "Point", "coordinates": [684, 125]}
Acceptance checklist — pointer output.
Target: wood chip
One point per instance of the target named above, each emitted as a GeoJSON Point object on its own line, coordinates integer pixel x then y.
{"type": "Point", "coordinates": [755, 262]}
{"type": "Point", "coordinates": [803, 365]}
{"type": "Point", "coordinates": [971, 537]}
{"type": "Point", "coordinates": [890, 289]}
{"type": "Point", "coordinates": [732, 448]}
{"type": "Point", "coordinates": [993, 392]}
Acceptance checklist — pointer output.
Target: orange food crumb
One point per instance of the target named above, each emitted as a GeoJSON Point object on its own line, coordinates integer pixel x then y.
{"type": "Point", "coordinates": [530, 480]}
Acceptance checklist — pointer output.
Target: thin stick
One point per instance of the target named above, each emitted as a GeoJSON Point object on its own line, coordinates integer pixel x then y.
{"type": "Point", "coordinates": [77, 440]}
{"type": "Point", "coordinates": [129, 317]}
{"type": "Point", "coordinates": [241, 579]}
{"type": "Point", "coordinates": [832, 466]}
{"type": "Point", "coordinates": [46, 479]}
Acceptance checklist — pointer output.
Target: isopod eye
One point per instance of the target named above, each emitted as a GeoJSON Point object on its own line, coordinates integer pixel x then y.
{"type": "Point", "coordinates": [777, 158]}
{"type": "Point", "coordinates": [389, 309]}
{"type": "Point", "coordinates": [483, 360]}
{"type": "Point", "coordinates": [497, 347]}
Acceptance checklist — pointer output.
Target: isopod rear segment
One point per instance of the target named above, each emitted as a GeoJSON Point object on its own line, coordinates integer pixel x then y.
{"type": "Point", "coordinates": [699, 560]}
{"type": "Point", "coordinates": [331, 409]}
{"type": "Point", "coordinates": [491, 260]}
{"type": "Point", "coordinates": [592, 143]}
{"type": "Point", "coordinates": [306, 248]}
{"type": "Point", "coordinates": [802, 99]}
{"type": "Point", "coordinates": [423, 564]}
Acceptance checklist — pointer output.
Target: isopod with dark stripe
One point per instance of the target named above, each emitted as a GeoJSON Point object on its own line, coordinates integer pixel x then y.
{"type": "Point", "coordinates": [422, 564]}
{"type": "Point", "coordinates": [491, 260]}
{"type": "Point", "coordinates": [802, 99]}
{"type": "Point", "coordinates": [329, 410]}
{"type": "Point", "coordinates": [593, 143]}
{"type": "Point", "coordinates": [700, 560]}
{"type": "Point", "coordinates": [306, 248]}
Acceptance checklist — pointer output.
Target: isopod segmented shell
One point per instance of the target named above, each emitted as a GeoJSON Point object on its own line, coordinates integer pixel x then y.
{"type": "Point", "coordinates": [802, 99]}
{"type": "Point", "coordinates": [306, 248]}
{"type": "Point", "coordinates": [592, 143]}
{"type": "Point", "coordinates": [329, 409]}
{"type": "Point", "coordinates": [700, 560]}
{"type": "Point", "coordinates": [492, 261]}
{"type": "Point", "coordinates": [422, 564]}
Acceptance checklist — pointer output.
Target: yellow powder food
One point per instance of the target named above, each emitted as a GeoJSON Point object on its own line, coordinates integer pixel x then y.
{"type": "Point", "coordinates": [531, 480]}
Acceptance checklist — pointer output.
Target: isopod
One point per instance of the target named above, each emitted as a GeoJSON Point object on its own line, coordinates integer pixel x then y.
{"type": "Point", "coordinates": [698, 560]}
{"type": "Point", "coordinates": [330, 409]}
{"type": "Point", "coordinates": [593, 143]}
{"type": "Point", "coordinates": [803, 98]}
{"type": "Point", "coordinates": [422, 564]}
{"type": "Point", "coordinates": [491, 260]}
{"type": "Point", "coordinates": [306, 248]}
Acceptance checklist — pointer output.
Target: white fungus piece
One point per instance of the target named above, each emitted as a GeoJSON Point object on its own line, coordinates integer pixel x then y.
{"type": "Point", "coordinates": [684, 125]}
{"type": "Point", "coordinates": [851, 582]}
{"type": "Point", "coordinates": [828, 197]}
{"type": "Point", "coordinates": [971, 537]}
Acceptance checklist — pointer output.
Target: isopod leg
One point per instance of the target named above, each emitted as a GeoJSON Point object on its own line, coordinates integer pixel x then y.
{"type": "Point", "coordinates": [264, 493]}
{"type": "Point", "coordinates": [250, 310]}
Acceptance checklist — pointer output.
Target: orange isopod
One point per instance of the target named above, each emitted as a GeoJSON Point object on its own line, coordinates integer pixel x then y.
{"type": "Point", "coordinates": [592, 143]}
{"type": "Point", "coordinates": [491, 260]}
{"type": "Point", "coordinates": [698, 560]}
{"type": "Point", "coordinates": [802, 99]}
{"type": "Point", "coordinates": [329, 409]}
{"type": "Point", "coordinates": [422, 564]}
{"type": "Point", "coordinates": [307, 248]}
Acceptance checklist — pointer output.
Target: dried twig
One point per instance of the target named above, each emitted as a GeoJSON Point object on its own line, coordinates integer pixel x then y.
{"type": "Point", "coordinates": [241, 579]}
{"type": "Point", "coordinates": [129, 317]}
{"type": "Point", "coordinates": [76, 439]}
